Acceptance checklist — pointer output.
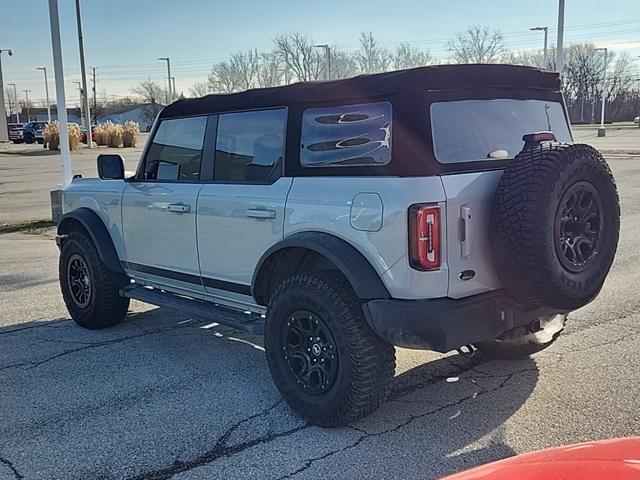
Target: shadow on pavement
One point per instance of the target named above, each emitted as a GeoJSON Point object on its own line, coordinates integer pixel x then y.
{"type": "Point", "coordinates": [162, 394]}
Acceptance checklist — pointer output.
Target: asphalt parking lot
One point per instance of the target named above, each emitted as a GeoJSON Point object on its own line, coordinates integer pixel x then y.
{"type": "Point", "coordinates": [163, 395]}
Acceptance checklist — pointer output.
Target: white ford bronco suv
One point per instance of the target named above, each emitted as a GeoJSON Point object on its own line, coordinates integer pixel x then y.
{"type": "Point", "coordinates": [434, 208]}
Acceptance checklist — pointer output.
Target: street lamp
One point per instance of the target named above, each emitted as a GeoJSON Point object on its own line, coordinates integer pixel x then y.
{"type": "Point", "coordinates": [15, 97]}
{"type": "Point", "coordinates": [546, 34]}
{"type": "Point", "coordinates": [4, 134]}
{"type": "Point", "coordinates": [327, 50]}
{"type": "Point", "coordinates": [166, 59]}
{"type": "Point", "coordinates": [46, 91]}
{"type": "Point", "coordinates": [602, 131]}
{"type": "Point", "coordinates": [26, 95]}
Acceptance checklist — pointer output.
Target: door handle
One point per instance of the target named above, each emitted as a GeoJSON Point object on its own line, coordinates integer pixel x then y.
{"type": "Point", "coordinates": [260, 213]}
{"type": "Point", "coordinates": [467, 230]}
{"type": "Point", "coordinates": [178, 207]}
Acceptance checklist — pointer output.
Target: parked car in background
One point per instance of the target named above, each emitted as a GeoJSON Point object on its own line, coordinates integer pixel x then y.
{"type": "Point", "coordinates": [33, 132]}
{"type": "Point", "coordinates": [15, 132]}
{"type": "Point", "coordinates": [637, 120]}
{"type": "Point", "coordinates": [83, 133]}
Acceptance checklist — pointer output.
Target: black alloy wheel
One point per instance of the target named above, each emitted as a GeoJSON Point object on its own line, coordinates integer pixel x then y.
{"type": "Point", "coordinates": [579, 221]}
{"type": "Point", "coordinates": [79, 280]}
{"type": "Point", "coordinates": [310, 351]}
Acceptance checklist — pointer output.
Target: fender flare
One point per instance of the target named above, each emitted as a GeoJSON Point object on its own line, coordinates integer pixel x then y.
{"type": "Point", "coordinates": [99, 234]}
{"type": "Point", "coordinates": [363, 278]}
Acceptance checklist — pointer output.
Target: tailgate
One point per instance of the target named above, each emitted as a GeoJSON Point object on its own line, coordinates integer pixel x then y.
{"type": "Point", "coordinates": [469, 255]}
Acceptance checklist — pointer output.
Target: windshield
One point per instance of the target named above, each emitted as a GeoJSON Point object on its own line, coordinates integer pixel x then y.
{"type": "Point", "coordinates": [491, 129]}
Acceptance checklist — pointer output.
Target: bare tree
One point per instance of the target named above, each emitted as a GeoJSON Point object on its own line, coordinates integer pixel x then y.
{"type": "Point", "coordinates": [236, 74]}
{"type": "Point", "coordinates": [407, 56]}
{"type": "Point", "coordinates": [343, 64]}
{"type": "Point", "coordinates": [270, 71]}
{"type": "Point", "coordinates": [300, 57]}
{"type": "Point", "coordinates": [371, 57]}
{"type": "Point", "coordinates": [477, 45]}
{"type": "Point", "coordinates": [200, 89]}
{"type": "Point", "coordinates": [151, 93]}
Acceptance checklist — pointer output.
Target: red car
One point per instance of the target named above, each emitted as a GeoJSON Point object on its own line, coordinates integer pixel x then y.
{"type": "Point", "coordinates": [617, 459]}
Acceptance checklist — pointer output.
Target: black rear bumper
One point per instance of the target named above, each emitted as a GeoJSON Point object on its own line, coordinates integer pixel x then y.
{"type": "Point", "coordinates": [444, 324]}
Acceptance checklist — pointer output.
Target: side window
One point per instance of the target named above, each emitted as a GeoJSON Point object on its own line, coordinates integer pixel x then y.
{"type": "Point", "coordinates": [250, 146]}
{"type": "Point", "coordinates": [176, 150]}
{"type": "Point", "coordinates": [346, 136]}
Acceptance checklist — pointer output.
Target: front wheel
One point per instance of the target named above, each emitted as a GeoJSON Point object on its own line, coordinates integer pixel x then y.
{"type": "Point", "coordinates": [521, 343]}
{"type": "Point", "coordinates": [330, 367]}
{"type": "Point", "coordinates": [29, 138]}
{"type": "Point", "coordinates": [90, 290]}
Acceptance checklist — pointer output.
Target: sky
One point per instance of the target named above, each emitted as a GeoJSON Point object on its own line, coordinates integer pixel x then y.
{"type": "Point", "coordinates": [123, 38]}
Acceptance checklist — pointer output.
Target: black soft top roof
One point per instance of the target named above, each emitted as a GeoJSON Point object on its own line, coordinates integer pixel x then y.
{"type": "Point", "coordinates": [476, 77]}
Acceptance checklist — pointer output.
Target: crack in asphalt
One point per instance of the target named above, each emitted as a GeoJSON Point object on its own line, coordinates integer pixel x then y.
{"type": "Point", "coordinates": [49, 324]}
{"type": "Point", "coordinates": [220, 449]}
{"type": "Point", "coordinates": [309, 463]}
{"type": "Point", "coordinates": [13, 469]}
{"type": "Point", "coordinates": [89, 346]}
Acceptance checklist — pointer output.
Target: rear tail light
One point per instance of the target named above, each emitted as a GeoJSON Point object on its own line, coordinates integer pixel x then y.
{"type": "Point", "coordinates": [424, 237]}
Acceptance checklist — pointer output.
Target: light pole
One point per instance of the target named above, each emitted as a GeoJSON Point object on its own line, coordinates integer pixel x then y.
{"type": "Point", "coordinates": [327, 50]}
{"type": "Point", "coordinates": [166, 59]}
{"type": "Point", "coordinates": [173, 83]}
{"type": "Point", "coordinates": [15, 97]}
{"type": "Point", "coordinates": [4, 134]}
{"type": "Point", "coordinates": [80, 92]}
{"type": "Point", "coordinates": [26, 95]}
{"type": "Point", "coordinates": [46, 91]}
{"type": "Point", "coordinates": [602, 131]}
{"type": "Point", "coordinates": [83, 71]}
{"type": "Point", "coordinates": [546, 34]}
{"type": "Point", "coordinates": [559, 53]}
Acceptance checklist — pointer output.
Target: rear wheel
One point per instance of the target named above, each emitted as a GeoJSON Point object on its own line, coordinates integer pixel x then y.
{"type": "Point", "coordinates": [520, 343]}
{"type": "Point", "coordinates": [90, 290]}
{"type": "Point", "coordinates": [329, 365]}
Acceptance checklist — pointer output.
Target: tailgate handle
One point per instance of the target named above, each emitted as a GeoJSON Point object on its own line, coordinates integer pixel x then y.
{"type": "Point", "coordinates": [467, 230]}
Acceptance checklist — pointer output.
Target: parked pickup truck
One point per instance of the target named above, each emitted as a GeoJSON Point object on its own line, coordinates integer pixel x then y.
{"type": "Point", "coordinates": [435, 208]}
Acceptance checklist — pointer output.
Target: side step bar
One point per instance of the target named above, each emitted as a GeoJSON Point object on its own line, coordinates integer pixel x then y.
{"type": "Point", "coordinates": [249, 322]}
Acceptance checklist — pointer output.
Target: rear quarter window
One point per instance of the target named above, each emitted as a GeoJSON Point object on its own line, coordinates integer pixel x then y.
{"type": "Point", "coordinates": [346, 136]}
{"type": "Point", "coordinates": [481, 130]}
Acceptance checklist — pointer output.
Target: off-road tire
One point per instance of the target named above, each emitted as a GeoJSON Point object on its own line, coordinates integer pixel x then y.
{"type": "Point", "coordinates": [525, 228]}
{"type": "Point", "coordinates": [521, 343]}
{"type": "Point", "coordinates": [105, 307]}
{"type": "Point", "coordinates": [366, 363]}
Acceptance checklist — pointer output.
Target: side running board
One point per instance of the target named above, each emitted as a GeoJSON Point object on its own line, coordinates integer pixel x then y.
{"type": "Point", "coordinates": [249, 322]}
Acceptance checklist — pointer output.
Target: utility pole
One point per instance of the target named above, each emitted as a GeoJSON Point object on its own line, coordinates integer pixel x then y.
{"type": "Point", "coordinates": [545, 62]}
{"type": "Point", "coordinates": [15, 97]}
{"type": "Point", "coordinates": [170, 95]}
{"type": "Point", "coordinates": [83, 71]}
{"type": "Point", "coordinates": [559, 52]}
{"type": "Point", "coordinates": [65, 155]}
{"type": "Point", "coordinates": [81, 100]}
{"type": "Point", "coordinates": [46, 91]}
{"type": "Point", "coordinates": [327, 50]}
{"type": "Point", "coordinates": [603, 131]}
{"type": "Point", "coordinates": [26, 94]}
{"type": "Point", "coordinates": [4, 133]}
{"type": "Point", "coordinates": [173, 83]}
{"type": "Point", "coordinates": [95, 101]}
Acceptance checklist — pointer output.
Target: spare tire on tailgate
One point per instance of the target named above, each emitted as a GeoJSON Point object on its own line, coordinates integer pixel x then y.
{"type": "Point", "coordinates": [554, 225]}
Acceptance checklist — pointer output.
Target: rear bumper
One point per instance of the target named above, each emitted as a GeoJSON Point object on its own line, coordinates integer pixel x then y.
{"type": "Point", "coordinates": [444, 324]}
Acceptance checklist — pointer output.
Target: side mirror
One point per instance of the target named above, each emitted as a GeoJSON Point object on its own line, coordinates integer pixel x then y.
{"type": "Point", "coordinates": [110, 167]}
